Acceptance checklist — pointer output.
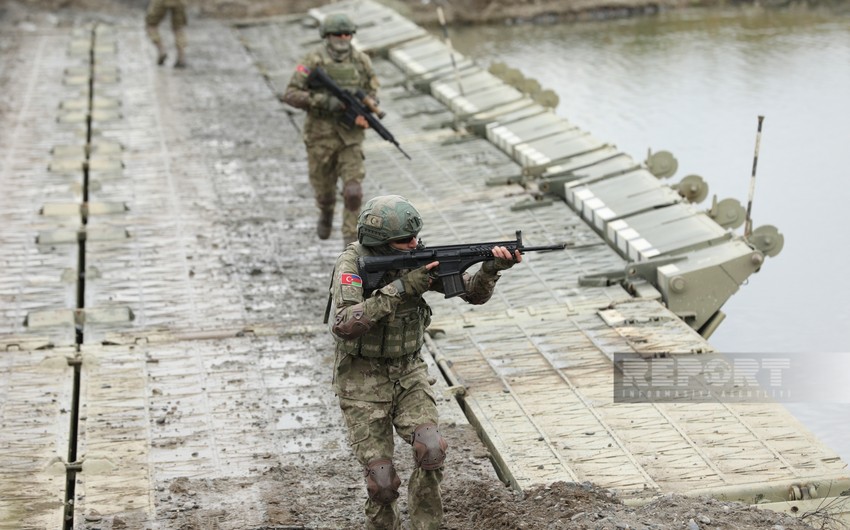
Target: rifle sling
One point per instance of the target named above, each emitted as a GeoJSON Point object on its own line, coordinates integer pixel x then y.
{"type": "Point", "coordinates": [330, 298]}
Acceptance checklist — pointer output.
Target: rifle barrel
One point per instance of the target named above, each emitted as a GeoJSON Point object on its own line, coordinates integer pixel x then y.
{"type": "Point", "coordinates": [561, 246]}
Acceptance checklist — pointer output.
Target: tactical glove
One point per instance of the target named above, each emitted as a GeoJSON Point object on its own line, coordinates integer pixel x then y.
{"type": "Point", "coordinates": [498, 264]}
{"type": "Point", "coordinates": [326, 102]}
{"type": "Point", "coordinates": [415, 282]}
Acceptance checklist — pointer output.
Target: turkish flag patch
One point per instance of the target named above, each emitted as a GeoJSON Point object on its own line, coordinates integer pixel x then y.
{"type": "Point", "coordinates": [301, 69]}
{"type": "Point", "coordinates": [350, 279]}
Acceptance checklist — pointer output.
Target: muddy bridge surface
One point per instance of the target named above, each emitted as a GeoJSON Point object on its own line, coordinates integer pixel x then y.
{"type": "Point", "coordinates": [162, 358]}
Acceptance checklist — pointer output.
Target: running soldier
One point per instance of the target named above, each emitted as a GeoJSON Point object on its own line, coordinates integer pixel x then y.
{"type": "Point", "coordinates": [379, 377]}
{"type": "Point", "coordinates": [157, 9]}
{"type": "Point", "coordinates": [334, 149]}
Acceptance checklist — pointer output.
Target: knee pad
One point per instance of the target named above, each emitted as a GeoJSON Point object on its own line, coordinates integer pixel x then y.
{"type": "Point", "coordinates": [382, 481]}
{"type": "Point", "coordinates": [352, 195]}
{"type": "Point", "coordinates": [429, 447]}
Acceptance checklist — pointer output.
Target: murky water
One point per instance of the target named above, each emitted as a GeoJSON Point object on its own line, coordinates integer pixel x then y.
{"type": "Point", "coordinates": [694, 83]}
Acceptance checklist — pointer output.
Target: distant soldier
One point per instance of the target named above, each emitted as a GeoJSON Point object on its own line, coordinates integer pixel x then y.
{"type": "Point", "coordinates": [334, 149]}
{"type": "Point", "coordinates": [157, 9]}
{"type": "Point", "coordinates": [379, 376]}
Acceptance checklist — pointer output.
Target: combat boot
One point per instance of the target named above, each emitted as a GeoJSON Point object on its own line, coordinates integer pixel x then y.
{"type": "Point", "coordinates": [180, 41]}
{"type": "Point", "coordinates": [153, 33]}
{"type": "Point", "coordinates": [326, 221]}
{"type": "Point", "coordinates": [181, 59]}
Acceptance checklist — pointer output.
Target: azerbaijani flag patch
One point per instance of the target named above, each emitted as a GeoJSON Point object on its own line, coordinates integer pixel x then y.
{"type": "Point", "coordinates": [301, 69]}
{"type": "Point", "coordinates": [350, 279]}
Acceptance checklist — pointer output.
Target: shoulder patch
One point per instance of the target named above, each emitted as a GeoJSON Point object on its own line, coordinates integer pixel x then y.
{"type": "Point", "coordinates": [350, 279]}
{"type": "Point", "coordinates": [301, 69]}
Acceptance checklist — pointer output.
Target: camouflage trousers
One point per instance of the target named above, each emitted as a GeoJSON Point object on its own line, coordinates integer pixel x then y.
{"type": "Point", "coordinates": [370, 427]}
{"type": "Point", "coordinates": [157, 9]}
{"type": "Point", "coordinates": [331, 160]}
{"type": "Point", "coordinates": [156, 12]}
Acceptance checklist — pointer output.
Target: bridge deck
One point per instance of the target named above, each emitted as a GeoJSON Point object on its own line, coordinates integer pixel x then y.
{"type": "Point", "coordinates": [194, 349]}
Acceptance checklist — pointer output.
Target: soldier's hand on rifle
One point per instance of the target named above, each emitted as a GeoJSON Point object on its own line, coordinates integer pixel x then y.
{"type": "Point", "coordinates": [326, 102]}
{"type": "Point", "coordinates": [418, 280]}
{"type": "Point", "coordinates": [361, 122]}
{"type": "Point", "coordinates": [372, 104]}
{"type": "Point", "coordinates": [503, 260]}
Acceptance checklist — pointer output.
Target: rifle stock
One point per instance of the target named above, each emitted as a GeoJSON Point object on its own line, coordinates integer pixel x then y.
{"type": "Point", "coordinates": [454, 260]}
{"type": "Point", "coordinates": [357, 104]}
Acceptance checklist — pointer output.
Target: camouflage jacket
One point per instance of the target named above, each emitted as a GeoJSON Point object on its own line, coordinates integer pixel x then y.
{"type": "Point", "coordinates": [354, 73]}
{"type": "Point", "coordinates": [388, 324]}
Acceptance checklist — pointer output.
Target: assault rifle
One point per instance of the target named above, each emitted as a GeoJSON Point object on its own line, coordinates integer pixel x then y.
{"type": "Point", "coordinates": [357, 104]}
{"type": "Point", "coordinates": [454, 260]}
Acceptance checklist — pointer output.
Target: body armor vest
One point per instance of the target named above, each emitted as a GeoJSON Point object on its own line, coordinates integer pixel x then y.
{"type": "Point", "coordinates": [346, 74]}
{"type": "Point", "coordinates": [400, 334]}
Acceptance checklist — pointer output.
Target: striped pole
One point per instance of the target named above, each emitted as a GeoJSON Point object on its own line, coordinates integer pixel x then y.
{"type": "Point", "coordinates": [748, 223]}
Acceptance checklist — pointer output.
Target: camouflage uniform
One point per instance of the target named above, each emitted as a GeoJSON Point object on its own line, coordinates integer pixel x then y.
{"type": "Point", "coordinates": [334, 149]}
{"type": "Point", "coordinates": [382, 382]}
{"type": "Point", "coordinates": [157, 9]}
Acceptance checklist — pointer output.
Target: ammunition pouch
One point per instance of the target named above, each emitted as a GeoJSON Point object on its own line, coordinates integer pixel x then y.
{"type": "Point", "coordinates": [325, 114]}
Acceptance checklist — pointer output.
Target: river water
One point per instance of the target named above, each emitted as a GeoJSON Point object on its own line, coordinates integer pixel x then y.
{"type": "Point", "coordinates": [693, 83]}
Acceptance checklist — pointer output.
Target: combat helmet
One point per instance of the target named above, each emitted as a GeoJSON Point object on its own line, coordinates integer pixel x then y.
{"type": "Point", "coordinates": [387, 218]}
{"type": "Point", "coordinates": [336, 23]}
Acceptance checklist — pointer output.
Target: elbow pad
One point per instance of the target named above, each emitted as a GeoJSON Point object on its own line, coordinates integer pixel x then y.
{"type": "Point", "coordinates": [352, 323]}
{"type": "Point", "coordinates": [300, 99]}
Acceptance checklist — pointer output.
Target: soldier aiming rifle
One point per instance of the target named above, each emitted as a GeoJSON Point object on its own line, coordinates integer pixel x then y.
{"type": "Point", "coordinates": [380, 377]}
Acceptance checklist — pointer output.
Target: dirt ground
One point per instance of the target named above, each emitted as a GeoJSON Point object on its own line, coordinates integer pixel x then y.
{"type": "Point", "coordinates": [474, 498]}
{"type": "Point", "coordinates": [562, 505]}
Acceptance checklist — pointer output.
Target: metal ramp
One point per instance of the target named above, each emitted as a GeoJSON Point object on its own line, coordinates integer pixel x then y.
{"type": "Point", "coordinates": [621, 196]}
{"type": "Point", "coordinates": [37, 395]}
{"type": "Point", "coordinates": [148, 335]}
{"type": "Point", "coordinates": [539, 384]}
{"type": "Point", "coordinates": [427, 58]}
